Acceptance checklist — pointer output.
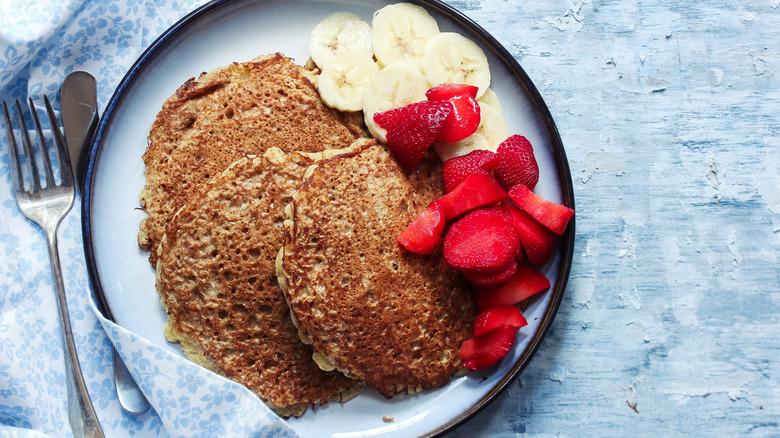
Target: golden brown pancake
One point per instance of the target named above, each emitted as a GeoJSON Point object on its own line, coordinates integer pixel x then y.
{"type": "Point", "coordinates": [233, 111]}
{"type": "Point", "coordinates": [379, 313]}
{"type": "Point", "coordinates": [217, 281]}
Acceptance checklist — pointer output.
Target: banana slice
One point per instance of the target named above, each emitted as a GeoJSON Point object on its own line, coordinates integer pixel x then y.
{"type": "Point", "coordinates": [344, 80]}
{"type": "Point", "coordinates": [491, 132]}
{"type": "Point", "coordinates": [450, 57]}
{"type": "Point", "coordinates": [338, 34]}
{"type": "Point", "coordinates": [391, 87]}
{"type": "Point", "coordinates": [490, 98]}
{"type": "Point", "coordinates": [399, 33]}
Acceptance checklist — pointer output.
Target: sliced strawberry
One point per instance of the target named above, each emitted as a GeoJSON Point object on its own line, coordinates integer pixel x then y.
{"type": "Point", "coordinates": [483, 241]}
{"type": "Point", "coordinates": [527, 282]}
{"type": "Point", "coordinates": [538, 241]}
{"type": "Point", "coordinates": [423, 235]}
{"type": "Point", "coordinates": [462, 121]}
{"type": "Point", "coordinates": [517, 164]}
{"type": "Point", "coordinates": [448, 91]}
{"type": "Point", "coordinates": [551, 215]}
{"type": "Point", "coordinates": [504, 315]}
{"type": "Point", "coordinates": [477, 190]}
{"type": "Point", "coordinates": [483, 351]}
{"type": "Point", "coordinates": [487, 280]}
{"type": "Point", "coordinates": [412, 129]}
{"type": "Point", "coordinates": [456, 169]}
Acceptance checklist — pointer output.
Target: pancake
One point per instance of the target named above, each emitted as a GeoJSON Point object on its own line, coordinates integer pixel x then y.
{"type": "Point", "coordinates": [228, 113]}
{"type": "Point", "coordinates": [216, 278]}
{"type": "Point", "coordinates": [371, 309]}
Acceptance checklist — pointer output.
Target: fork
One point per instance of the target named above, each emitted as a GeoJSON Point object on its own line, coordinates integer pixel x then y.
{"type": "Point", "coordinates": [46, 205]}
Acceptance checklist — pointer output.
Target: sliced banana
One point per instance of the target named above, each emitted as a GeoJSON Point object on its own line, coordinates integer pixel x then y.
{"type": "Point", "coordinates": [450, 57]}
{"type": "Point", "coordinates": [344, 81]}
{"type": "Point", "coordinates": [399, 33]}
{"type": "Point", "coordinates": [340, 33]}
{"type": "Point", "coordinates": [492, 130]}
{"type": "Point", "coordinates": [389, 88]}
{"type": "Point", "coordinates": [490, 98]}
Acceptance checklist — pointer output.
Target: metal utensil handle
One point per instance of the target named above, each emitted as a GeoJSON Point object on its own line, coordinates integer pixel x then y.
{"type": "Point", "coordinates": [81, 413]}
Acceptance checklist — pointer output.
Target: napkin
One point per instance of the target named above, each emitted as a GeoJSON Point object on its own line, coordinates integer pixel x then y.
{"type": "Point", "coordinates": [41, 42]}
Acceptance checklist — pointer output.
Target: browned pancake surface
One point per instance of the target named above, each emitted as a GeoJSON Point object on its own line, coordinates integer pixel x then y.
{"type": "Point", "coordinates": [217, 282]}
{"type": "Point", "coordinates": [381, 314]}
{"type": "Point", "coordinates": [240, 109]}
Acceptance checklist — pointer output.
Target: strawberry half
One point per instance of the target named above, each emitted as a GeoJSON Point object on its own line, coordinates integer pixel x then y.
{"type": "Point", "coordinates": [504, 315]}
{"type": "Point", "coordinates": [423, 235]}
{"type": "Point", "coordinates": [517, 164]}
{"type": "Point", "coordinates": [456, 169]}
{"type": "Point", "coordinates": [538, 241]}
{"type": "Point", "coordinates": [489, 280]}
{"type": "Point", "coordinates": [462, 121]}
{"type": "Point", "coordinates": [477, 190]}
{"type": "Point", "coordinates": [448, 91]}
{"type": "Point", "coordinates": [483, 351]}
{"type": "Point", "coordinates": [527, 282]}
{"type": "Point", "coordinates": [483, 241]}
{"type": "Point", "coordinates": [551, 215]}
{"type": "Point", "coordinates": [412, 129]}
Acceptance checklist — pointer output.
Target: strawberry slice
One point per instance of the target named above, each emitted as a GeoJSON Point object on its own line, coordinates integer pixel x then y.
{"type": "Point", "coordinates": [477, 190]}
{"type": "Point", "coordinates": [456, 169]}
{"type": "Point", "coordinates": [483, 351]}
{"type": "Point", "coordinates": [448, 91]}
{"type": "Point", "coordinates": [412, 129]}
{"type": "Point", "coordinates": [551, 215]}
{"type": "Point", "coordinates": [504, 315]}
{"type": "Point", "coordinates": [527, 282]}
{"type": "Point", "coordinates": [462, 121]}
{"type": "Point", "coordinates": [483, 241]}
{"type": "Point", "coordinates": [489, 280]}
{"type": "Point", "coordinates": [517, 164]}
{"type": "Point", "coordinates": [423, 235]}
{"type": "Point", "coordinates": [538, 241]}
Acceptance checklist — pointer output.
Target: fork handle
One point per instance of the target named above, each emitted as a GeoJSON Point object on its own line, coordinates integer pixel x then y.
{"type": "Point", "coordinates": [81, 413]}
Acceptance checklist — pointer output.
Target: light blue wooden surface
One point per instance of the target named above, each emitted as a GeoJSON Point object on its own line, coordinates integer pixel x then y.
{"type": "Point", "coordinates": [670, 115]}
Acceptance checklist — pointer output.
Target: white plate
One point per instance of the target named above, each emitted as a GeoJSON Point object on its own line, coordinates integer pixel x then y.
{"type": "Point", "coordinates": [223, 32]}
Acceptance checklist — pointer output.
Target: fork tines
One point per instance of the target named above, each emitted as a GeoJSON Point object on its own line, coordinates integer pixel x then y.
{"type": "Point", "coordinates": [66, 176]}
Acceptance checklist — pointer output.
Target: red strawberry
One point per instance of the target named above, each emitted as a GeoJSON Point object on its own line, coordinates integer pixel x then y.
{"type": "Point", "coordinates": [551, 215]}
{"type": "Point", "coordinates": [412, 129]}
{"type": "Point", "coordinates": [477, 190]}
{"type": "Point", "coordinates": [483, 351]}
{"type": "Point", "coordinates": [517, 163]}
{"type": "Point", "coordinates": [448, 91]}
{"type": "Point", "coordinates": [504, 315]}
{"type": "Point", "coordinates": [527, 282]}
{"type": "Point", "coordinates": [483, 241]}
{"type": "Point", "coordinates": [456, 169]}
{"type": "Point", "coordinates": [462, 121]}
{"type": "Point", "coordinates": [538, 241]}
{"type": "Point", "coordinates": [487, 280]}
{"type": "Point", "coordinates": [423, 235]}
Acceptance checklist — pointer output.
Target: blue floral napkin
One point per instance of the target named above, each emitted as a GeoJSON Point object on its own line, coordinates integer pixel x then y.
{"type": "Point", "coordinates": [41, 42]}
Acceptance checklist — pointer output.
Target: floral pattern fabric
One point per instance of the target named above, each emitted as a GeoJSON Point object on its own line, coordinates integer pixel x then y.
{"type": "Point", "coordinates": [41, 42]}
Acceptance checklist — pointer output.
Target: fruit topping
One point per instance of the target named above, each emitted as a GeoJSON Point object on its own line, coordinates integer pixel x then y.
{"type": "Point", "coordinates": [423, 235]}
{"type": "Point", "coordinates": [457, 169]}
{"type": "Point", "coordinates": [485, 350]}
{"type": "Point", "coordinates": [527, 282]}
{"type": "Point", "coordinates": [517, 164]}
{"type": "Point", "coordinates": [483, 241]}
{"type": "Point", "coordinates": [504, 315]}
{"type": "Point", "coordinates": [487, 280]}
{"type": "Point", "coordinates": [412, 129]}
{"type": "Point", "coordinates": [477, 190]}
{"type": "Point", "coordinates": [551, 215]}
{"type": "Point", "coordinates": [462, 121]}
{"type": "Point", "coordinates": [448, 91]}
{"type": "Point", "coordinates": [538, 241]}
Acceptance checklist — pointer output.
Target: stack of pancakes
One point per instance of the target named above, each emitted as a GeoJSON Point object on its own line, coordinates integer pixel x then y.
{"type": "Point", "coordinates": [252, 184]}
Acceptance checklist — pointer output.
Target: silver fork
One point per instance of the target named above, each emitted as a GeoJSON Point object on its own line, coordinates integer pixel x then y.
{"type": "Point", "coordinates": [46, 205]}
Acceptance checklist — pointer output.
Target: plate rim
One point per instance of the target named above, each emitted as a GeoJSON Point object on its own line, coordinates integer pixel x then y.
{"type": "Point", "coordinates": [556, 145]}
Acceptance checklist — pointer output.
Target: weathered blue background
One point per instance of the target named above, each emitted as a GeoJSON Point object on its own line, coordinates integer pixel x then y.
{"type": "Point", "coordinates": [670, 115]}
